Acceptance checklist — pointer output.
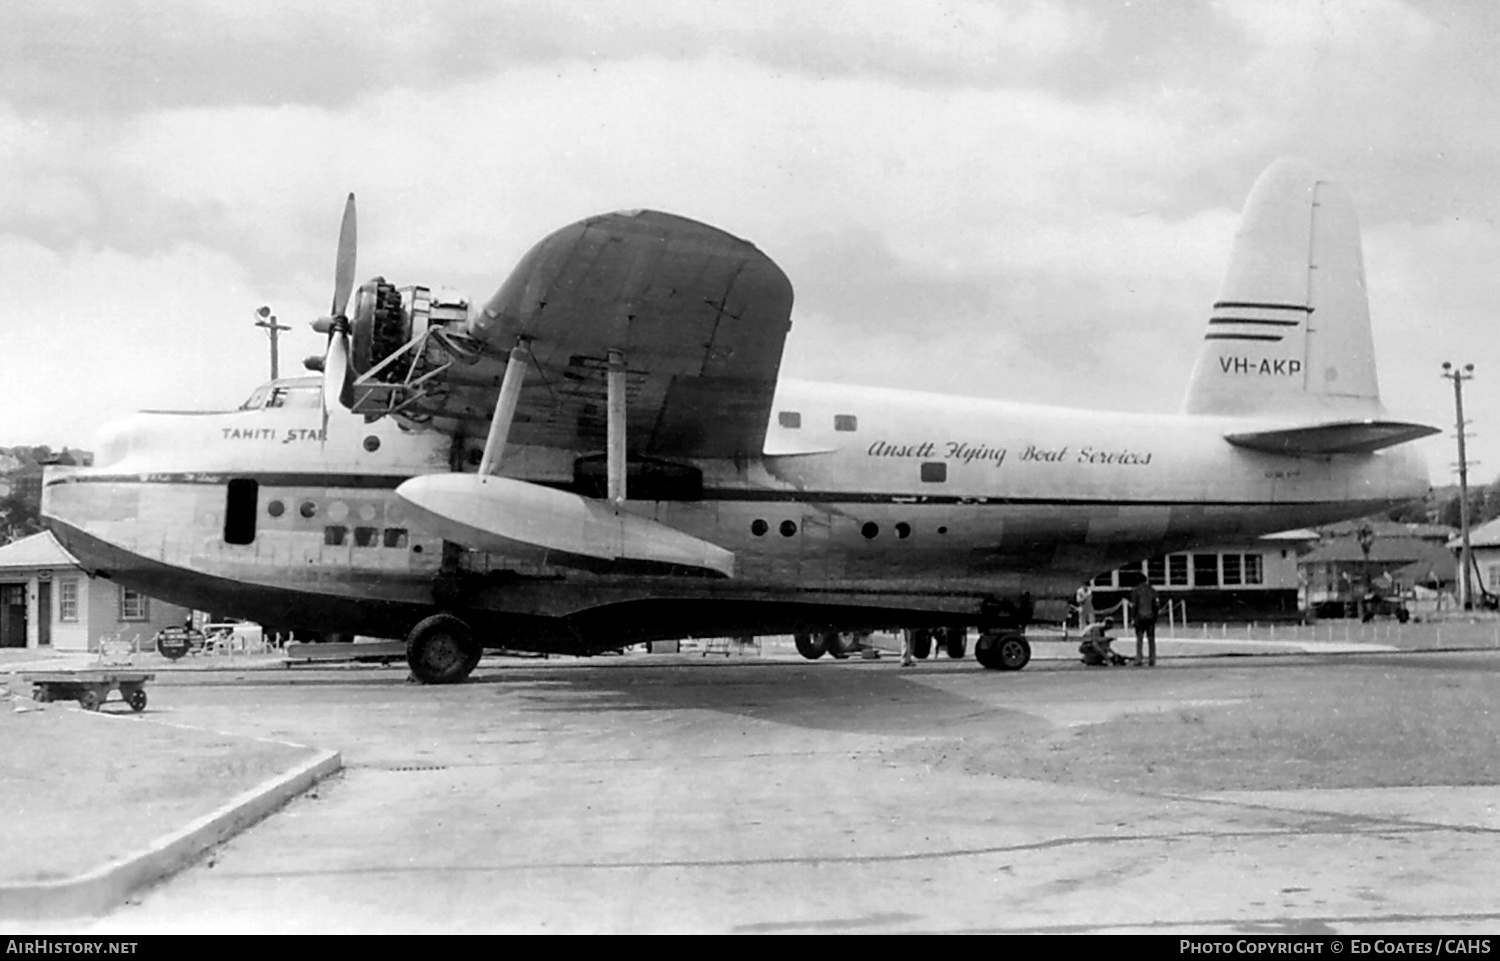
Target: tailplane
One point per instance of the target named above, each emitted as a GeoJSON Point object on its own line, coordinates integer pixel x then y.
{"type": "Point", "coordinates": [1288, 341]}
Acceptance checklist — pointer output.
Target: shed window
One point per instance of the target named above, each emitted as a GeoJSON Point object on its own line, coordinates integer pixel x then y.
{"type": "Point", "coordinates": [935, 472]}
{"type": "Point", "coordinates": [134, 606]}
{"type": "Point", "coordinates": [239, 511]}
{"type": "Point", "coordinates": [67, 599]}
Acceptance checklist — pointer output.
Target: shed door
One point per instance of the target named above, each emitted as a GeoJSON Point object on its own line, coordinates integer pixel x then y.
{"type": "Point", "coordinates": [12, 615]}
{"type": "Point", "coordinates": [44, 613]}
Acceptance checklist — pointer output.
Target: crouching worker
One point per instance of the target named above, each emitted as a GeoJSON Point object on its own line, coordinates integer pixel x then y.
{"type": "Point", "coordinates": [1095, 647]}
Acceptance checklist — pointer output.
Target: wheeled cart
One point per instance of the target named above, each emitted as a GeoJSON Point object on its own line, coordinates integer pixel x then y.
{"type": "Point", "coordinates": [90, 688]}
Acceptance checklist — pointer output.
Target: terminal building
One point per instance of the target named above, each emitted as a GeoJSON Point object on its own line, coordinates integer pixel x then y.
{"type": "Point", "coordinates": [48, 601]}
{"type": "Point", "coordinates": [1254, 581]}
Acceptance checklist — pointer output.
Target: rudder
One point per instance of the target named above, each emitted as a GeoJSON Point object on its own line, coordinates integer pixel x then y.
{"type": "Point", "coordinates": [1289, 336]}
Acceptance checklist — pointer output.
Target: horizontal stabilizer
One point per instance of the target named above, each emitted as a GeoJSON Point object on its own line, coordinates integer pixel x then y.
{"type": "Point", "coordinates": [1340, 437]}
{"type": "Point", "coordinates": [508, 516]}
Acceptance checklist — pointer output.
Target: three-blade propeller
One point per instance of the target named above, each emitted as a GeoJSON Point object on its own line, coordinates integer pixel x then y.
{"type": "Point", "coordinates": [337, 389]}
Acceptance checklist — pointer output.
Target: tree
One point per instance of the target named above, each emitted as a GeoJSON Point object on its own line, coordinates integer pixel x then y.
{"type": "Point", "coordinates": [18, 518]}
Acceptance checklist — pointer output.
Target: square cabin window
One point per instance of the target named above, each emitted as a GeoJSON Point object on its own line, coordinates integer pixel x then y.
{"type": "Point", "coordinates": [366, 536]}
{"type": "Point", "coordinates": [845, 422]}
{"type": "Point", "coordinates": [935, 472]}
{"type": "Point", "coordinates": [789, 418]}
{"type": "Point", "coordinates": [395, 537]}
{"type": "Point", "coordinates": [334, 535]}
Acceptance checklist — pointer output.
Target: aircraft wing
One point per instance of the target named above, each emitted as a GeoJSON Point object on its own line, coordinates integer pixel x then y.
{"type": "Point", "coordinates": [700, 315]}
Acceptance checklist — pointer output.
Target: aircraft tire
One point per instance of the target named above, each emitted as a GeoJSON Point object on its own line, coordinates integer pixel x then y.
{"type": "Point", "coordinates": [921, 643]}
{"type": "Point", "coordinates": [441, 650]}
{"type": "Point", "coordinates": [1002, 652]}
{"type": "Point", "coordinates": [833, 643]}
{"type": "Point", "coordinates": [810, 646]}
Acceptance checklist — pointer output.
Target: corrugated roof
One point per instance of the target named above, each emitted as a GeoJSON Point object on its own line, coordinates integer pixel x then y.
{"type": "Point", "coordinates": [38, 550]}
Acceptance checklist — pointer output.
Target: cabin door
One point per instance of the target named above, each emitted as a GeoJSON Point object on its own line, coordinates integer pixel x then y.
{"type": "Point", "coordinates": [12, 615]}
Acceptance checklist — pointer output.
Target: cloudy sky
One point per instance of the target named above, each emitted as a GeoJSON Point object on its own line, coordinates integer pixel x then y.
{"type": "Point", "coordinates": [1030, 200]}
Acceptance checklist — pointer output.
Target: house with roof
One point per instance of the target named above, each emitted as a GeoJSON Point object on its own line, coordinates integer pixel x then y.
{"type": "Point", "coordinates": [1340, 570]}
{"type": "Point", "coordinates": [48, 601]}
{"type": "Point", "coordinates": [1484, 546]}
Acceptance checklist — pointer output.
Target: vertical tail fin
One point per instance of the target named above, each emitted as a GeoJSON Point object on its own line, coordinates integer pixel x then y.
{"type": "Point", "coordinates": [1289, 336]}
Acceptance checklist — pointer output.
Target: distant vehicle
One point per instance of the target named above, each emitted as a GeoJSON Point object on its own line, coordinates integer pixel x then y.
{"type": "Point", "coordinates": [234, 635]}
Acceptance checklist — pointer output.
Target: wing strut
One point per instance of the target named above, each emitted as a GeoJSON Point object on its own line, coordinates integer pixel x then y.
{"type": "Point", "coordinates": [505, 410]}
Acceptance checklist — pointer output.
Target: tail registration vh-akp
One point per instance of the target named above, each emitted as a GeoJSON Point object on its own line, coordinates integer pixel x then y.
{"type": "Point", "coordinates": [602, 454]}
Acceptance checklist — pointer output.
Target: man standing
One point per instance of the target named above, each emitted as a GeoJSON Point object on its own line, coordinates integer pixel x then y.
{"type": "Point", "coordinates": [1145, 604]}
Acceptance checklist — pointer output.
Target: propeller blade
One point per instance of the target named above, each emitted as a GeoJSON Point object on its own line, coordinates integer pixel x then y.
{"type": "Point", "coordinates": [343, 271]}
{"type": "Point", "coordinates": [335, 375]}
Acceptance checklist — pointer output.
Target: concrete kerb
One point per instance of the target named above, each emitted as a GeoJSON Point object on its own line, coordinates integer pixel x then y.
{"type": "Point", "coordinates": [96, 891]}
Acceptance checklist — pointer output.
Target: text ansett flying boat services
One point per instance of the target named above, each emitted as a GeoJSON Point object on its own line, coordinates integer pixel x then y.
{"type": "Point", "coordinates": [602, 454]}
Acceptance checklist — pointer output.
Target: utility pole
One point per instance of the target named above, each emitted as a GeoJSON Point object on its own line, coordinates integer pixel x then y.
{"type": "Point", "coordinates": [1465, 595]}
{"type": "Point", "coordinates": [268, 321]}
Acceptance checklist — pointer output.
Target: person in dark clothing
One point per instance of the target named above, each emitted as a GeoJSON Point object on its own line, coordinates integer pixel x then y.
{"type": "Point", "coordinates": [1145, 605]}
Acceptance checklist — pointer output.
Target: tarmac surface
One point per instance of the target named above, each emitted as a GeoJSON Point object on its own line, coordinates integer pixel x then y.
{"type": "Point", "coordinates": [1303, 793]}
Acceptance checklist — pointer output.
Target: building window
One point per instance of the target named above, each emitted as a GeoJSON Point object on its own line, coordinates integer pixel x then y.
{"type": "Point", "coordinates": [1107, 579]}
{"type": "Point", "coordinates": [934, 472]}
{"type": "Point", "coordinates": [67, 599]}
{"type": "Point", "coordinates": [1232, 570]}
{"type": "Point", "coordinates": [845, 422]}
{"type": "Point", "coordinates": [1177, 570]}
{"type": "Point", "coordinates": [789, 418]}
{"type": "Point", "coordinates": [1254, 573]}
{"type": "Point", "coordinates": [1205, 570]}
{"type": "Point", "coordinates": [1156, 571]}
{"type": "Point", "coordinates": [134, 606]}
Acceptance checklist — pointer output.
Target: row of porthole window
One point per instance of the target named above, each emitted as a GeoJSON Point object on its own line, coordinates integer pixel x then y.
{"type": "Point", "coordinates": [869, 529]}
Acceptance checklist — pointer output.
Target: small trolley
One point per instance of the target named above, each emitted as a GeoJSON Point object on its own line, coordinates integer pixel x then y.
{"type": "Point", "coordinates": [90, 688]}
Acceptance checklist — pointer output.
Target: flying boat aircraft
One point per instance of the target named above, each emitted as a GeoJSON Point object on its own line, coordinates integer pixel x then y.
{"type": "Point", "coordinates": [602, 453]}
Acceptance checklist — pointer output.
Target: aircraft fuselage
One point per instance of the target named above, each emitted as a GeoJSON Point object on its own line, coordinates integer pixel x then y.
{"type": "Point", "coordinates": [870, 507]}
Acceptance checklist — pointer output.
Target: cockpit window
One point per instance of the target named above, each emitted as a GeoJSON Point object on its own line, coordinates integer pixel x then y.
{"type": "Point", "coordinates": [302, 392]}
